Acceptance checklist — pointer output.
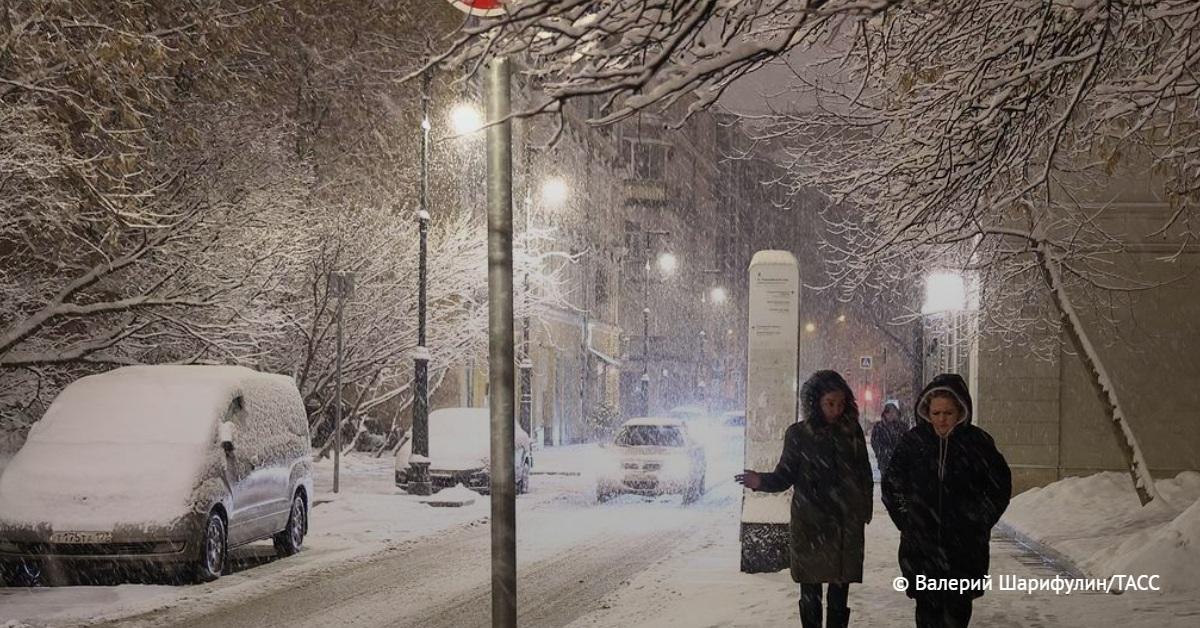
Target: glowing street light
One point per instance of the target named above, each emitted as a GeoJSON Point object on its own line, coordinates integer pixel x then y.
{"type": "Point", "coordinates": [554, 191]}
{"type": "Point", "coordinates": [944, 291]}
{"type": "Point", "coordinates": [465, 119]}
{"type": "Point", "coordinates": [668, 262]}
{"type": "Point", "coordinates": [718, 295]}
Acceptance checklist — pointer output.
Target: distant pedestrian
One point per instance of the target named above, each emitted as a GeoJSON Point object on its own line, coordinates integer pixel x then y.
{"type": "Point", "coordinates": [945, 487]}
{"type": "Point", "coordinates": [825, 460]}
{"type": "Point", "coordinates": [887, 432]}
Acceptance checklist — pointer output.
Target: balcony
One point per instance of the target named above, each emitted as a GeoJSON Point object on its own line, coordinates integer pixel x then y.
{"type": "Point", "coordinates": [645, 191]}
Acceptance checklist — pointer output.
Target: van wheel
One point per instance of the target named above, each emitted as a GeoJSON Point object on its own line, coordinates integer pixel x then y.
{"type": "Point", "coordinates": [214, 549]}
{"type": "Point", "coordinates": [523, 481]}
{"type": "Point", "coordinates": [291, 539]}
{"type": "Point", "coordinates": [694, 491]}
{"type": "Point", "coordinates": [22, 574]}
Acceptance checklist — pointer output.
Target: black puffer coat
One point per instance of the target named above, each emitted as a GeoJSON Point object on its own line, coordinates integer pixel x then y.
{"type": "Point", "coordinates": [827, 465]}
{"type": "Point", "coordinates": [945, 494]}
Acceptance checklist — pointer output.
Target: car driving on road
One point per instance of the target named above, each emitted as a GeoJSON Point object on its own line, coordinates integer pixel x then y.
{"type": "Point", "coordinates": [653, 456]}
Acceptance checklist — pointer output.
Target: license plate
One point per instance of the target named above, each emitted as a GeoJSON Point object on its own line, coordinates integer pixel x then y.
{"type": "Point", "coordinates": [81, 537]}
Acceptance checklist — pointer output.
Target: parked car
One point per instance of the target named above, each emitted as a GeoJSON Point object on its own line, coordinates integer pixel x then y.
{"type": "Point", "coordinates": [460, 451]}
{"type": "Point", "coordinates": [653, 456]}
{"type": "Point", "coordinates": [733, 422]}
{"type": "Point", "coordinates": [167, 466]}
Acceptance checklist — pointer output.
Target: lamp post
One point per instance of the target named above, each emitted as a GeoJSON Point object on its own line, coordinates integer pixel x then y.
{"type": "Point", "coordinates": [716, 296]}
{"type": "Point", "coordinates": [418, 478]}
{"type": "Point", "coordinates": [554, 192]}
{"type": "Point", "coordinates": [525, 416]}
{"type": "Point", "coordinates": [701, 375]}
{"type": "Point", "coordinates": [667, 263]}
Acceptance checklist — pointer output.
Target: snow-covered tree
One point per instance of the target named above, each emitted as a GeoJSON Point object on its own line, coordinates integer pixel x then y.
{"type": "Point", "coordinates": [176, 183]}
{"type": "Point", "coordinates": [961, 133]}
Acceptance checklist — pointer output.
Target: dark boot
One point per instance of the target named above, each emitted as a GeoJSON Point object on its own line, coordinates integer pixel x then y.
{"type": "Point", "coordinates": [837, 618]}
{"type": "Point", "coordinates": [810, 612]}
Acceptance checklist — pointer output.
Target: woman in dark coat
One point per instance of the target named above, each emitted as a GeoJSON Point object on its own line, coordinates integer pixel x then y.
{"type": "Point", "coordinates": [825, 460]}
{"type": "Point", "coordinates": [945, 487]}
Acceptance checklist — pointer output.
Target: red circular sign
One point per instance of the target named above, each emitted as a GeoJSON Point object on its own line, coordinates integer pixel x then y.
{"type": "Point", "coordinates": [486, 8]}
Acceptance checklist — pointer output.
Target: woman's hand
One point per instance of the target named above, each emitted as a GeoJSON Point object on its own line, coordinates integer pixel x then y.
{"type": "Point", "coordinates": [749, 479]}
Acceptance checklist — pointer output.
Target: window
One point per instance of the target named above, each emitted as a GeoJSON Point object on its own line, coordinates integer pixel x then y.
{"type": "Point", "coordinates": [633, 242]}
{"type": "Point", "coordinates": [648, 159]}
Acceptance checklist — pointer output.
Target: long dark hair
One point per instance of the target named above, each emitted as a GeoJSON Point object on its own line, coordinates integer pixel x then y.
{"type": "Point", "coordinates": [817, 385]}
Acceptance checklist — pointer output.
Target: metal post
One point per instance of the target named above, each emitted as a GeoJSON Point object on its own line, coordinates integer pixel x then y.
{"type": "Point", "coordinates": [337, 412]}
{"type": "Point", "coordinates": [645, 381]}
{"type": "Point", "coordinates": [500, 347]}
{"type": "Point", "coordinates": [526, 414]}
{"type": "Point", "coordinates": [418, 475]}
{"type": "Point", "coordinates": [702, 374]}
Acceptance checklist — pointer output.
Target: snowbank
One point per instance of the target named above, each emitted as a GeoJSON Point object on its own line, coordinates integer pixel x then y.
{"type": "Point", "coordinates": [1098, 522]}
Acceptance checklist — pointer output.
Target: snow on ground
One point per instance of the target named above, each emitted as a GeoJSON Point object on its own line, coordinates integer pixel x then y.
{"type": "Point", "coordinates": [367, 515]}
{"type": "Point", "coordinates": [1098, 522]}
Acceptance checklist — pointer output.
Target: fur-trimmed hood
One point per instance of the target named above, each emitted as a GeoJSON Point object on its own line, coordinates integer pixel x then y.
{"type": "Point", "coordinates": [953, 383]}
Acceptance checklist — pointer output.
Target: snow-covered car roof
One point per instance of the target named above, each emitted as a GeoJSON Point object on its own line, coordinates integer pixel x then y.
{"type": "Point", "coordinates": [459, 438]}
{"type": "Point", "coordinates": [655, 420]}
{"type": "Point", "coordinates": [149, 404]}
{"type": "Point", "coordinates": [132, 443]}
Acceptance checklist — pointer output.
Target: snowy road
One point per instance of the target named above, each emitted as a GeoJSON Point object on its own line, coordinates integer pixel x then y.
{"type": "Point", "coordinates": [380, 560]}
{"type": "Point", "coordinates": [573, 555]}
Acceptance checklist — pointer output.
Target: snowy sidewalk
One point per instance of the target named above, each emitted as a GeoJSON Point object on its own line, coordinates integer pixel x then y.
{"type": "Point", "coordinates": [700, 586]}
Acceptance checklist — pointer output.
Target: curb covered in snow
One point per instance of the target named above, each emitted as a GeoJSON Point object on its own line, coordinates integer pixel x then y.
{"type": "Point", "coordinates": [1060, 560]}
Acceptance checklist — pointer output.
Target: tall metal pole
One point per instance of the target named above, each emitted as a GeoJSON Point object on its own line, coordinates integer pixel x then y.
{"type": "Point", "coordinates": [645, 381]}
{"type": "Point", "coordinates": [337, 412]}
{"type": "Point", "coordinates": [500, 347]}
{"type": "Point", "coordinates": [526, 414]}
{"type": "Point", "coordinates": [701, 371]}
{"type": "Point", "coordinates": [418, 481]}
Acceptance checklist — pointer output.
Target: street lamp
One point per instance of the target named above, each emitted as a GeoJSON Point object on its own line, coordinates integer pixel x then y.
{"type": "Point", "coordinates": [667, 264]}
{"type": "Point", "coordinates": [465, 119]}
{"type": "Point", "coordinates": [718, 295]}
{"type": "Point", "coordinates": [418, 476]}
{"type": "Point", "coordinates": [554, 192]}
{"type": "Point", "coordinates": [944, 291]}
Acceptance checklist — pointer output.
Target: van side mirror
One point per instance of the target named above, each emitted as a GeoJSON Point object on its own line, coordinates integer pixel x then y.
{"type": "Point", "coordinates": [225, 436]}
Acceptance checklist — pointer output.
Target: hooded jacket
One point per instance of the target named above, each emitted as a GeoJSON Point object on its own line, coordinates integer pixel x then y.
{"type": "Point", "coordinates": [945, 494]}
{"type": "Point", "coordinates": [828, 466]}
{"type": "Point", "coordinates": [886, 434]}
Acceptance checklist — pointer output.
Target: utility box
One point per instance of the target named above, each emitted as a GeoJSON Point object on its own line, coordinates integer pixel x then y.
{"type": "Point", "coordinates": [772, 394]}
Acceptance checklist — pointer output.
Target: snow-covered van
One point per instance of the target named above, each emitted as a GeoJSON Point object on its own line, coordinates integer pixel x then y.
{"type": "Point", "coordinates": [158, 465]}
